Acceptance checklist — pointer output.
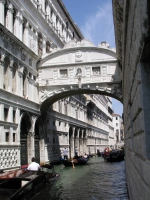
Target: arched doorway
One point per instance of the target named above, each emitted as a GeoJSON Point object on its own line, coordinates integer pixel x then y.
{"type": "Point", "coordinates": [24, 128]}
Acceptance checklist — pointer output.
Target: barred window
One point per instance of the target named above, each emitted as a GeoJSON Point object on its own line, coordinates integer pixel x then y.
{"type": "Point", "coordinates": [96, 70]}
{"type": "Point", "coordinates": [63, 73]}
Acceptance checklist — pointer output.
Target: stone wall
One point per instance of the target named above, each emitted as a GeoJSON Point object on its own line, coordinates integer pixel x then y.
{"type": "Point", "coordinates": [136, 91]}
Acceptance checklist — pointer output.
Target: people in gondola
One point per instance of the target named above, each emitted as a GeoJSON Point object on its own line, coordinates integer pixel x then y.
{"type": "Point", "coordinates": [85, 155]}
{"type": "Point", "coordinates": [65, 153]}
{"type": "Point", "coordinates": [34, 165]}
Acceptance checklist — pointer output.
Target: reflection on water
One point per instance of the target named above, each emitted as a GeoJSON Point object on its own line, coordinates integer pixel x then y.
{"type": "Point", "coordinates": [97, 180]}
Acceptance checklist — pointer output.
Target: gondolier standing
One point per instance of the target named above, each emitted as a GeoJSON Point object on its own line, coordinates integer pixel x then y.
{"type": "Point", "coordinates": [76, 151]}
{"type": "Point", "coordinates": [65, 153]}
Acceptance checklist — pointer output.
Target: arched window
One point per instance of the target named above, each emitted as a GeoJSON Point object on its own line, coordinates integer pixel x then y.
{"type": "Point", "coordinates": [40, 45]}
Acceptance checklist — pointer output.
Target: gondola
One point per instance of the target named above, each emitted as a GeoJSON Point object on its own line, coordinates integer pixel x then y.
{"type": "Point", "coordinates": [115, 155]}
{"type": "Point", "coordinates": [25, 184]}
{"type": "Point", "coordinates": [78, 160]}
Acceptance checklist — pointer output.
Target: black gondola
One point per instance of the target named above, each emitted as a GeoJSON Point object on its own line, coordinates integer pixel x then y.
{"type": "Point", "coordinates": [114, 155]}
{"type": "Point", "coordinates": [25, 184]}
{"type": "Point", "coordinates": [75, 161]}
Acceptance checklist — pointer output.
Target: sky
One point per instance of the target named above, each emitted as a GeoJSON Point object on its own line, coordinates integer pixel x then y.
{"type": "Point", "coordinates": [95, 20]}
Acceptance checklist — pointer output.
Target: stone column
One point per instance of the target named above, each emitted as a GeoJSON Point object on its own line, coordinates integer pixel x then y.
{"type": "Point", "coordinates": [20, 89]}
{"type": "Point", "coordinates": [2, 72]}
{"type": "Point", "coordinates": [76, 141]}
{"type": "Point", "coordinates": [10, 114]}
{"type": "Point", "coordinates": [9, 18]}
{"type": "Point", "coordinates": [20, 35]}
{"type": "Point", "coordinates": [17, 115]}
{"type": "Point", "coordinates": [31, 147]}
{"type": "Point", "coordinates": [71, 147]}
{"type": "Point", "coordinates": [11, 134]}
{"type": "Point", "coordinates": [26, 34]}
{"type": "Point", "coordinates": [2, 2]}
{"type": "Point", "coordinates": [10, 76]}
{"type": "Point", "coordinates": [81, 143]}
{"type": "Point", "coordinates": [1, 112]}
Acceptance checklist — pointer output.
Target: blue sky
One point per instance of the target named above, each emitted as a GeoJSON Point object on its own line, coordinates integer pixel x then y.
{"type": "Point", "coordinates": [95, 20]}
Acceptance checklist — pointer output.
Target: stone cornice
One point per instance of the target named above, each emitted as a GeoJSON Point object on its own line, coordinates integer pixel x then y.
{"type": "Point", "coordinates": [118, 24]}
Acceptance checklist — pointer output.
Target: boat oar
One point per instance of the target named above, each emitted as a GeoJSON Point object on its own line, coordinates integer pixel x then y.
{"type": "Point", "coordinates": [73, 164]}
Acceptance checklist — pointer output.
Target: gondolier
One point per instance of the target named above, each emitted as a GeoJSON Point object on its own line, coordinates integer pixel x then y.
{"type": "Point", "coordinates": [65, 153]}
{"type": "Point", "coordinates": [76, 151]}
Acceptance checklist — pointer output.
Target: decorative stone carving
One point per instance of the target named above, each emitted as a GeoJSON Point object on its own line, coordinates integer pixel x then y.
{"type": "Point", "coordinates": [78, 56]}
{"type": "Point", "coordinates": [117, 90]}
{"type": "Point", "coordinates": [104, 45]}
{"type": "Point", "coordinates": [47, 94]}
{"type": "Point", "coordinates": [9, 158]}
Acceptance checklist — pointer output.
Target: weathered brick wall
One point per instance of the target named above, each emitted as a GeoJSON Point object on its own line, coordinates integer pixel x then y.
{"type": "Point", "coordinates": [136, 90]}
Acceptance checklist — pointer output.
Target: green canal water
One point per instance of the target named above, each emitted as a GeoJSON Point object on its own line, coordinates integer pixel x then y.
{"type": "Point", "coordinates": [97, 180]}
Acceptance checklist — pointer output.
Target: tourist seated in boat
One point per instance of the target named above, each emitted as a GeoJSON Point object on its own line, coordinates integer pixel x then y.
{"type": "Point", "coordinates": [85, 155]}
{"type": "Point", "coordinates": [34, 165]}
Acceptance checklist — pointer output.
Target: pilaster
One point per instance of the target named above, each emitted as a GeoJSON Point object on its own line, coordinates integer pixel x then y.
{"type": "Point", "coordinates": [10, 114]}
{"type": "Point", "coordinates": [2, 3]}
{"type": "Point", "coordinates": [2, 112]}
{"type": "Point", "coordinates": [9, 18]}
{"type": "Point", "coordinates": [1, 74]}
{"type": "Point", "coordinates": [10, 76]}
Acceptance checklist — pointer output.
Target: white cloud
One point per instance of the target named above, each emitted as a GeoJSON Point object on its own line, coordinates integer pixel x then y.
{"type": "Point", "coordinates": [99, 26]}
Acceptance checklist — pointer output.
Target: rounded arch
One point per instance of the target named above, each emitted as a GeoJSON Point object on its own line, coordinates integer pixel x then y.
{"type": "Point", "coordinates": [49, 100]}
{"type": "Point", "coordinates": [25, 125]}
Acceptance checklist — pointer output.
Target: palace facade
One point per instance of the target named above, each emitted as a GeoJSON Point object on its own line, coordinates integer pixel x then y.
{"type": "Point", "coordinates": [29, 30]}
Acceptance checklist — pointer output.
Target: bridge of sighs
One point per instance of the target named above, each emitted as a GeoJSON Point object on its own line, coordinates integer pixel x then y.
{"type": "Point", "coordinates": [79, 68]}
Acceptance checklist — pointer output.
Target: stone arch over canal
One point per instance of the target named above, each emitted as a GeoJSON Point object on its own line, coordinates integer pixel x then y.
{"type": "Point", "coordinates": [79, 68]}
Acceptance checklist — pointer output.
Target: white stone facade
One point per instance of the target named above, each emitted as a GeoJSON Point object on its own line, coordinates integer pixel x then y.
{"type": "Point", "coordinates": [29, 31]}
{"type": "Point", "coordinates": [118, 129]}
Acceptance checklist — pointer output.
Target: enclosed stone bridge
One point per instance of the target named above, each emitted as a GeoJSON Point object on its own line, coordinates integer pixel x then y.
{"type": "Point", "coordinates": [79, 68]}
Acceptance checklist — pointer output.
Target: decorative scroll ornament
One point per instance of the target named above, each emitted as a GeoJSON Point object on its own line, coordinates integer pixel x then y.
{"type": "Point", "coordinates": [47, 94]}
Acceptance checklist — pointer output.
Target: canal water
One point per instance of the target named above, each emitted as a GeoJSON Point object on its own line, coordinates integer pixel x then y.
{"type": "Point", "coordinates": [97, 180]}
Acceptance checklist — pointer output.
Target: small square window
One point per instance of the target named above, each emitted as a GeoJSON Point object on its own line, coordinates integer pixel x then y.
{"type": "Point", "coordinates": [96, 70]}
{"type": "Point", "coordinates": [63, 73]}
{"type": "Point", "coordinates": [14, 137]}
{"type": "Point", "coordinates": [7, 137]}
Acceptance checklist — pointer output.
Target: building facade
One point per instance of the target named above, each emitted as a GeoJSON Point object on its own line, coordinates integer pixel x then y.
{"type": "Point", "coordinates": [118, 129]}
{"type": "Point", "coordinates": [29, 30]}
